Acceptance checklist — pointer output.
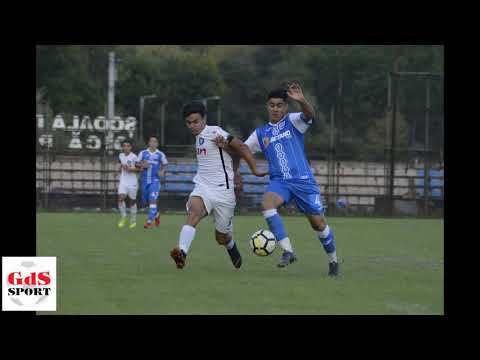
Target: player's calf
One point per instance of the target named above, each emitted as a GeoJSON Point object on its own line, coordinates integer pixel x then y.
{"type": "Point", "coordinates": [227, 241]}
{"type": "Point", "coordinates": [275, 224]}
{"type": "Point", "coordinates": [327, 239]}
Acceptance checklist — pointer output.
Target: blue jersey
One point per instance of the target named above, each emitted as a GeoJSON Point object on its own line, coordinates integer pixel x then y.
{"type": "Point", "coordinates": [283, 146]}
{"type": "Point", "coordinates": [156, 160]}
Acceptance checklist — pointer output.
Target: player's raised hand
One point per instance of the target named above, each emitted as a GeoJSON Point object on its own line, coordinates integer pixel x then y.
{"type": "Point", "coordinates": [220, 142]}
{"type": "Point", "coordinates": [294, 91]}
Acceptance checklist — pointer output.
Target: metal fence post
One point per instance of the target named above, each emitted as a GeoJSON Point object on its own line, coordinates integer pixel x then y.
{"type": "Point", "coordinates": [426, 182]}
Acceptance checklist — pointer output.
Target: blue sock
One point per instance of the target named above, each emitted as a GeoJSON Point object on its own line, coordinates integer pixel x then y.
{"type": "Point", "coordinates": [152, 212]}
{"type": "Point", "coordinates": [327, 239]}
{"type": "Point", "coordinates": [275, 224]}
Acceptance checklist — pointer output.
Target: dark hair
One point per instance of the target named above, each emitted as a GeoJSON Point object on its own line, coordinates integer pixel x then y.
{"type": "Point", "coordinates": [192, 108]}
{"type": "Point", "coordinates": [279, 93]}
{"type": "Point", "coordinates": [153, 136]}
{"type": "Point", "coordinates": [127, 141]}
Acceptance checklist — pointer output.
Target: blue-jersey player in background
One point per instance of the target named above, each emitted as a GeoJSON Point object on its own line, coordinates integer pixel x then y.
{"type": "Point", "coordinates": [153, 162]}
{"type": "Point", "coordinates": [282, 143]}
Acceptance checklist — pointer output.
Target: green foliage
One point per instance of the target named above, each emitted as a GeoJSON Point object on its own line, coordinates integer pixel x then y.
{"type": "Point", "coordinates": [352, 79]}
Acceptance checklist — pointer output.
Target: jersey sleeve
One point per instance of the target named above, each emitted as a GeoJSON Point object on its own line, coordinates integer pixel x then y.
{"type": "Point", "coordinates": [219, 131]}
{"type": "Point", "coordinates": [164, 159]}
{"type": "Point", "coordinates": [300, 122]}
{"type": "Point", "coordinates": [252, 143]}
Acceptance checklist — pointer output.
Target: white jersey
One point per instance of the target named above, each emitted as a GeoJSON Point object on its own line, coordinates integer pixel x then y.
{"type": "Point", "coordinates": [128, 177]}
{"type": "Point", "coordinates": [215, 166]}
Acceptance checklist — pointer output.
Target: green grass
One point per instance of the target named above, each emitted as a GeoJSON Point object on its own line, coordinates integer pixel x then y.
{"type": "Point", "coordinates": [391, 266]}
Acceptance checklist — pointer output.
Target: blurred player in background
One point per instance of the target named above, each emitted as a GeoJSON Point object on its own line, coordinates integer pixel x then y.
{"type": "Point", "coordinates": [153, 163]}
{"type": "Point", "coordinates": [128, 185]}
{"type": "Point", "coordinates": [282, 143]}
{"type": "Point", "coordinates": [214, 188]}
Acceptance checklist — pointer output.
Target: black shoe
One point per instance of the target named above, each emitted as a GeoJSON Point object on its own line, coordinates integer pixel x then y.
{"type": "Point", "coordinates": [333, 269]}
{"type": "Point", "coordinates": [287, 258]}
{"type": "Point", "coordinates": [235, 256]}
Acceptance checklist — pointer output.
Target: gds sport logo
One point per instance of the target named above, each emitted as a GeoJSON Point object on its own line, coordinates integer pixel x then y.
{"type": "Point", "coordinates": [29, 284]}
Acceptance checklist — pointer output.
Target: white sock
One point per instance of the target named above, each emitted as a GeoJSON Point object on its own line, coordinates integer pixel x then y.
{"type": "Point", "coordinates": [285, 244]}
{"type": "Point", "coordinates": [332, 257]}
{"type": "Point", "coordinates": [230, 244]}
{"type": "Point", "coordinates": [323, 234]}
{"type": "Point", "coordinates": [123, 208]}
{"type": "Point", "coordinates": [186, 237]}
{"type": "Point", "coordinates": [133, 213]}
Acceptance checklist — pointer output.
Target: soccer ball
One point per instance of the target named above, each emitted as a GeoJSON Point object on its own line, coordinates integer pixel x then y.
{"type": "Point", "coordinates": [262, 243]}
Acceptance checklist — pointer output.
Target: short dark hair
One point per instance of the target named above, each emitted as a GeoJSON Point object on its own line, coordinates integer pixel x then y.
{"type": "Point", "coordinates": [153, 136]}
{"type": "Point", "coordinates": [278, 93]}
{"type": "Point", "coordinates": [127, 141]}
{"type": "Point", "coordinates": [192, 108]}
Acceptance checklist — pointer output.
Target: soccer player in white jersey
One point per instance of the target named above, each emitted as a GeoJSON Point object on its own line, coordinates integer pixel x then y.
{"type": "Point", "coordinates": [128, 185]}
{"type": "Point", "coordinates": [214, 185]}
{"type": "Point", "coordinates": [282, 142]}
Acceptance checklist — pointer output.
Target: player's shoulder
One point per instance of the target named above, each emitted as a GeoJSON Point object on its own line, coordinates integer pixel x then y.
{"type": "Point", "coordinates": [214, 129]}
{"type": "Point", "coordinates": [264, 128]}
{"type": "Point", "coordinates": [211, 131]}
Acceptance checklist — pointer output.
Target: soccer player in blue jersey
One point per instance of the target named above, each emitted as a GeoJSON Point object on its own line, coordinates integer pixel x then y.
{"type": "Point", "coordinates": [153, 162]}
{"type": "Point", "coordinates": [282, 142]}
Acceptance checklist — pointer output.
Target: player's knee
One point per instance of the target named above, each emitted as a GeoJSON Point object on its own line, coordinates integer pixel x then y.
{"type": "Point", "coordinates": [222, 239]}
{"type": "Point", "coordinates": [318, 224]}
{"type": "Point", "coordinates": [267, 204]}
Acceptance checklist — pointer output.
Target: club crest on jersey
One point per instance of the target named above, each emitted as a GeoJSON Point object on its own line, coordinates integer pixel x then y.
{"type": "Point", "coordinates": [266, 141]}
{"type": "Point", "coordinates": [201, 141]}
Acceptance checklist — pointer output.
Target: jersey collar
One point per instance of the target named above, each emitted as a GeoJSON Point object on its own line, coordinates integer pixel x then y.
{"type": "Point", "coordinates": [278, 123]}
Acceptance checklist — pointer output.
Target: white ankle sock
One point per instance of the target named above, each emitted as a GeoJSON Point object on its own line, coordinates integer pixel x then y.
{"type": "Point", "coordinates": [133, 213]}
{"type": "Point", "coordinates": [186, 237]}
{"type": "Point", "coordinates": [285, 244]}
{"type": "Point", "coordinates": [123, 208]}
{"type": "Point", "coordinates": [230, 244]}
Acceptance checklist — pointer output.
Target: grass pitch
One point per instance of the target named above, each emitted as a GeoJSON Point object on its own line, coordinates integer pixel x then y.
{"type": "Point", "coordinates": [388, 266]}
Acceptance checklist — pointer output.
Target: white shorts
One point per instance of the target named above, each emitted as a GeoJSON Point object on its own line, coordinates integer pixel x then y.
{"type": "Point", "coordinates": [219, 202]}
{"type": "Point", "coordinates": [128, 189]}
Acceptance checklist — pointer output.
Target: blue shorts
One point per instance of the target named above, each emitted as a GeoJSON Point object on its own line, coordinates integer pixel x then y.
{"type": "Point", "coordinates": [306, 195]}
{"type": "Point", "coordinates": [150, 191]}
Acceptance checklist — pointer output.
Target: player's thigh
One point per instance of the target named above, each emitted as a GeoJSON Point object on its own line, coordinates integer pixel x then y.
{"type": "Point", "coordinates": [132, 192]}
{"type": "Point", "coordinates": [276, 195]}
{"type": "Point", "coordinates": [309, 201]}
{"type": "Point", "coordinates": [122, 191]}
{"type": "Point", "coordinates": [201, 194]}
{"type": "Point", "coordinates": [196, 210]}
{"type": "Point", "coordinates": [223, 221]}
{"type": "Point", "coordinates": [153, 192]}
{"type": "Point", "coordinates": [145, 189]}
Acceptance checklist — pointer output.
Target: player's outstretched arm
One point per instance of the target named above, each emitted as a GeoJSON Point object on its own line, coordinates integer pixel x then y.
{"type": "Point", "coordinates": [238, 147]}
{"type": "Point", "coordinates": [295, 92]}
